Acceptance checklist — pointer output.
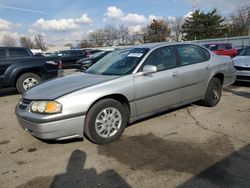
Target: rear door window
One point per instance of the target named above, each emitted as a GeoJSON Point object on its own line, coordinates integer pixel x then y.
{"type": "Point", "coordinates": [190, 54]}
{"type": "Point", "coordinates": [2, 53]}
{"type": "Point", "coordinates": [18, 53]}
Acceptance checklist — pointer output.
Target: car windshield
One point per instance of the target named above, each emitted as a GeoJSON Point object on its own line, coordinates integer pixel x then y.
{"type": "Point", "coordinates": [245, 52]}
{"type": "Point", "coordinates": [118, 62]}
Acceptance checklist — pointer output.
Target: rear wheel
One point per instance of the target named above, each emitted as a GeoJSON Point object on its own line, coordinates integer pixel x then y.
{"type": "Point", "coordinates": [26, 81]}
{"type": "Point", "coordinates": [213, 93]}
{"type": "Point", "coordinates": [106, 121]}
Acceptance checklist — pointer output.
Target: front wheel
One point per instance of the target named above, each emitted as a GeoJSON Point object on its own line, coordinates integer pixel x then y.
{"type": "Point", "coordinates": [213, 93]}
{"type": "Point", "coordinates": [105, 121]}
{"type": "Point", "coordinates": [26, 81]}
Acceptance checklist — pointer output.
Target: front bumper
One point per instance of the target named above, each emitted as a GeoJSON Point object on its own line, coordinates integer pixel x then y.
{"type": "Point", "coordinates": [56, 130]}
{"type": "Point", "coordinates": [52, 129]}
{"type": "Point", "coordinates": [243, 75]}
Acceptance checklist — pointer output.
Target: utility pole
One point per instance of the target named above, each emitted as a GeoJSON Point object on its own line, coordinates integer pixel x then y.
{"type": "Point", "coordinates": [194, 2]}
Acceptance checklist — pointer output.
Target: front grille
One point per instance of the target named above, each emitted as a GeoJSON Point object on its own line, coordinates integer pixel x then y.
{"type": "Point", "coordinates": [24, 103]}
{"type": "Point", "coordinates": [242, 68]}
{"type": "Point", "coordinates": [243, 78]}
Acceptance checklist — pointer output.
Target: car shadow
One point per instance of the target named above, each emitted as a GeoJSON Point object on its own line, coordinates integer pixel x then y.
{"type": "Point", "coordinates": [244, 84]}
{"type": "Point", "coordinates": [232, 171]}
{"type": "Point", "coordinates": [8, 91]}
{"type": "Point", "coordinates": [61, 141]}
{"type": "Point", "coordinates": [238, 93]}
{"type": "Point", "coordinates": [78, 177]}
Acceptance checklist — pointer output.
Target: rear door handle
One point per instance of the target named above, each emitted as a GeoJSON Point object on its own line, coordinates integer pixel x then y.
{"type": "Point", "coordinates": [176, 74]}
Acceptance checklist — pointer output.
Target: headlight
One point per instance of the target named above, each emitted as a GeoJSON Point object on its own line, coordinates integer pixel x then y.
{"type": "Point", "coordinates": [47, 107]}
{"type": "Point", "coordinates": [87, 62]}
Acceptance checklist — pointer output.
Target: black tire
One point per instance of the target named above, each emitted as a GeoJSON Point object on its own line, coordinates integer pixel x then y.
{"type": "Point", "coordinates": [213, 93]}
{"type": "Point", "coordinates": [21, 79]}
{"type": "Point", "coordinates": [95, 110]}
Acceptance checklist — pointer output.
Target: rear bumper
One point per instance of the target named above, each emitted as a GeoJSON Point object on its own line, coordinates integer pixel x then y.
{"type": "Point", "coordinates": [229, 79]}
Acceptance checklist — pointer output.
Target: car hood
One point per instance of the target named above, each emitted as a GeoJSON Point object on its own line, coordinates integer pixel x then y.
{"type": "Point", "coordinates": [243, 61]}
{"type": "Point", "coordinates": [53, 89]}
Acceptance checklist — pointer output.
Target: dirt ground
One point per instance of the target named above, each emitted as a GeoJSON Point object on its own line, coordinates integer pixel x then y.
{"type": "Point", "coordinates": [193, 146]}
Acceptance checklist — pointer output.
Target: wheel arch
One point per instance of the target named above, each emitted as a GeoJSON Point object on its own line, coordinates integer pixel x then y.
{"type": "Point", "coordinates": [220, 76]}
{"type": "Point", "coordinates": [21, 72]}
{"type": "Point", "coordinates": [118, 97]}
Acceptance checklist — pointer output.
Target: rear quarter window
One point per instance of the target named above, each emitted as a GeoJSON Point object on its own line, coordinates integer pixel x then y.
{"type": "Point", "coordinates": [190, 54]}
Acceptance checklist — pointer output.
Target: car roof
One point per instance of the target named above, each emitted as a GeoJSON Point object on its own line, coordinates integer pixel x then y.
{"type": "Point", "coordinates": [157, 44]}
{"type": "Point", "coordinates": [218, 43]}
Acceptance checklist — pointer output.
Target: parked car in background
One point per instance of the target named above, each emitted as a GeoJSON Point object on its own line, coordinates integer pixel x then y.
{"type": "Point", "coordinates": [47, 54]}
{"type": "Point", "coordinates": [21, 69]}
{"type": "Point", "coordinates": [222, 49]}
{"type": "Point", "coordinates": [69, 57]}
{"type": "Point", "coordinates": [239, 50]}
{"type": "Point", "coordinates": [93, 51]}
{"type": "Point", "coordinates": [242, 65]}
{"type": "Point", "coordinates": [85, 63]}
{"type": "Point", "coordinates": [124, 86]}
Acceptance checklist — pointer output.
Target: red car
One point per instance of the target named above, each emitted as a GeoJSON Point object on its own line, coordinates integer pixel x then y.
{"type": "Point", "coordinates": [222, 49]}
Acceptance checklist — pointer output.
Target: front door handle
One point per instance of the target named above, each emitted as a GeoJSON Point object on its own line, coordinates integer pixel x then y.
{"type": "Point", "coordinates": [176, 74]}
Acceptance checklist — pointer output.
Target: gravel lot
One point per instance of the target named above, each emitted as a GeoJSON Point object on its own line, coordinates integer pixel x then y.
{"type": "Point", "coordinates": [192, 146]}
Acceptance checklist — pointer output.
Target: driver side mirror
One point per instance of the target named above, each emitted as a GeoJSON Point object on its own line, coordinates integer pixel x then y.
{"type": "Point", "coordinates": [149, 69]}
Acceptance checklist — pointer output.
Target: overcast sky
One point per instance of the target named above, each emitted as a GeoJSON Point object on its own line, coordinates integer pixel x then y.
{"type": "Point", "coordinates": [62, 21]}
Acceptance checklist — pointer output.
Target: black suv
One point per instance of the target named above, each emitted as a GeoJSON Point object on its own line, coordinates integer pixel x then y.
{"type": "Point", "coordinates": [20, 68]}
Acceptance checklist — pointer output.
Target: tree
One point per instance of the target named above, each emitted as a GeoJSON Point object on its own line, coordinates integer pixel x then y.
{"type": "Point", "coordinates": [26, 42]}
{"type": "Point", "coordinates": [239, 23]}
{"type": "Point", "coordinates": [157, 31]}
{"type": "Point", "coordinates": [8, 40]}
{"type": "Point", "coordinates": [39, 42]}
{"type": "Point", "coordinates": [85, 44]}
{"type": "Point", "coordinates": [110, 35]}
{"type": "Point", "coordinates": [202, 25]}
{"type": "Point", "coordinates": [136, 38]}
{"type": "Point", "coordinates": [176, 28]}
{"type": "Point", "coordinates": [123, 35]}
{"type": "Point", "coordinates": [68, 45]}
{"type": "Point", "coordinates": [97, 37]}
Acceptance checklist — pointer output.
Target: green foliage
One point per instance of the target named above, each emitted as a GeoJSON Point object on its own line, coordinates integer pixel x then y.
{"type": "Point", "coordinates": [157, 31]}
{"type": "Point", "coordinates": [202, 25]}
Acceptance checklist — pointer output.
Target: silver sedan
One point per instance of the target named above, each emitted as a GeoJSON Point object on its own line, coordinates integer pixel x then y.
{"type": "Point", "coordinates": [126, 85]}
